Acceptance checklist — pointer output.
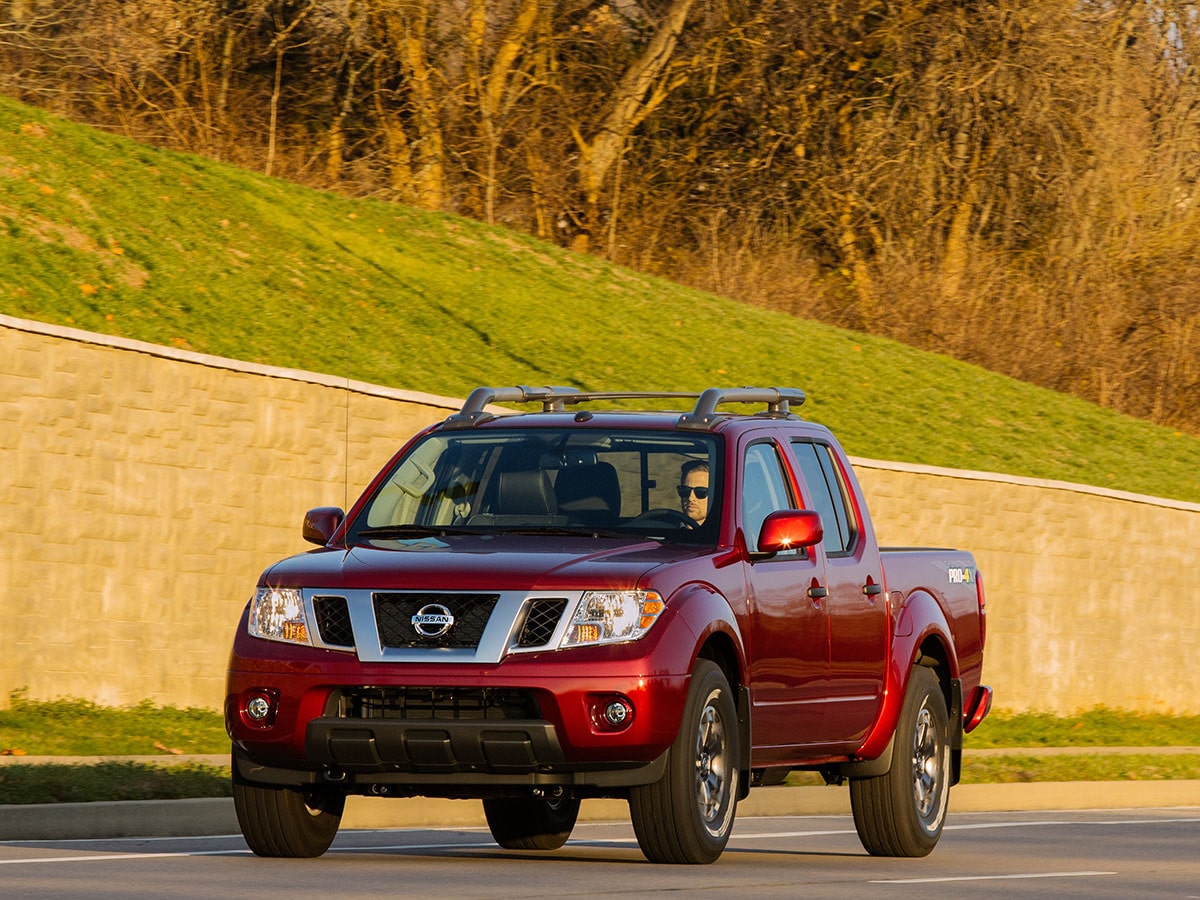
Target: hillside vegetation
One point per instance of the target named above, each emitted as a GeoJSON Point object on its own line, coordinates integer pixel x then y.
{"type": "Point", "coordinates": [107, 235]}
{"type": "Point", "coordinates": [1010, 183]}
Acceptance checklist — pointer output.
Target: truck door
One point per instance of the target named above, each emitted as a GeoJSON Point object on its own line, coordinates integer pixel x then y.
{"type": "Point", "coordinates": [789, 648]}
{"type": "Point", "coordinates": [858, 616]}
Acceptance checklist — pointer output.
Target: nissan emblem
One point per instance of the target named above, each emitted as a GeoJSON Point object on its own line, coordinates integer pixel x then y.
{"type": "Point", "coordinates": [433, 620]}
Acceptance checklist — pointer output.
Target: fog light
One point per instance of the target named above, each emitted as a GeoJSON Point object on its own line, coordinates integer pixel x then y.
{"type": "Point", "coordinates": [618, 713]}
{"type": "Point", "coordinates": [258, 708]}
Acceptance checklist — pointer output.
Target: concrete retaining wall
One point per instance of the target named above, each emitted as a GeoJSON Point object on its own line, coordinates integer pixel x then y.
{"type": "Point", "coordinates": [146, 488]}
{"type": "Point", "coordinates": [1092, 594]}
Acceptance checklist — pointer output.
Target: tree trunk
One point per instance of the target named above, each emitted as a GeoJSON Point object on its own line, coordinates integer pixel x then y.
{"type": "Point", "coordinates": [491, 83]}
{"type": "Point", "coordinates": [408, 27]}
{"type": "Point", "coordinates": [638, 93]}
{"type": "Point", "coordinates": [274, 108]}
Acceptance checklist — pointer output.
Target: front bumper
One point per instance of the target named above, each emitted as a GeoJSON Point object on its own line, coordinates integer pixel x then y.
{"type": "Point", "coordinates": [554, 737]}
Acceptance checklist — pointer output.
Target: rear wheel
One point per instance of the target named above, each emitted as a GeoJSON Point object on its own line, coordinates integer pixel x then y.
{"type": "Point", "coordinates": [687, 816]}
{"type": "Point", "coordinates": [289, 822]}
{"type": "Point", "coordinates": [531, 823]}
{"type": "Point", "coordinates": [902, 813]}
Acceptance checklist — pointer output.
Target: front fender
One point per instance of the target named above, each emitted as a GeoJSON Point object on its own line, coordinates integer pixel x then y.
{"type": "Point", "coordinates": [710, 618]}
{"type": "Point", "coordinates": [921, 619]}
{"type": "Point", "coordinates": [717, 636]}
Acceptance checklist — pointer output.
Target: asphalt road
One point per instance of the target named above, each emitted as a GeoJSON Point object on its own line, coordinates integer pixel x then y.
{"type": "Point", "coordinates": [1094, 853]}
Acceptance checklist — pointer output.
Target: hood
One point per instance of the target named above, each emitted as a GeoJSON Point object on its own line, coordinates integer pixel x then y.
{"type": "Point", "coordinates": [481, 562]}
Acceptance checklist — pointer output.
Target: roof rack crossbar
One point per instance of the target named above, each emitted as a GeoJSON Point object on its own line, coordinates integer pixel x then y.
{"type": "Point", "coordinates": [556, 399]}
{"type": "Point", "coordinates": [705, 415]}
{"type": "Point", "coordinates": [475, 407]}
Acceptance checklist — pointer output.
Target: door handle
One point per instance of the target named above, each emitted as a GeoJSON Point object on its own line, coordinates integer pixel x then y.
{"type": "Point", "coordinates": [816, 592]}
{"type": "Point", "coordinates": [872, 590]}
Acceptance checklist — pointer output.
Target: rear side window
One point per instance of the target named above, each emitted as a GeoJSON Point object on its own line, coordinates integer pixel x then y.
{"type": "Point", "coordinates": [829, 495]}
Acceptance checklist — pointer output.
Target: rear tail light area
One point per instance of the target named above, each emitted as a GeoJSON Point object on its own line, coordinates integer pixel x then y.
{"type": "Point", "coordinates": [978, 707]}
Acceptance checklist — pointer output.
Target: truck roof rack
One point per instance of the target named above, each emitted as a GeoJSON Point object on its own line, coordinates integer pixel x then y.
{"type": "Point", "coordinates": [556, 399]}
{"type": "Point", "coordinates": [778, 400]}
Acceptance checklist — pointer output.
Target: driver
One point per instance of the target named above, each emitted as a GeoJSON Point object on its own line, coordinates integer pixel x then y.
{"type": "Point", "coordinates": [693, 490]}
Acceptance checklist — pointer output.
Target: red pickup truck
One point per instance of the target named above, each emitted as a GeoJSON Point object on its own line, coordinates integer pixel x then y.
{"type": "Point", "coordinates": [575, 602]}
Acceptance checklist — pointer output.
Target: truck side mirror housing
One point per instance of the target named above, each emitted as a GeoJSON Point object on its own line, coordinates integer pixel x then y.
{"type": "Point", "coordinates": [790, 529]}
{"type": "Point", "coordinates": [321, 523]}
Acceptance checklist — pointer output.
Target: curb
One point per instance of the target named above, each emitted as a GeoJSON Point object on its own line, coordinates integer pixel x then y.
{"type": "Point", "coordinates": [215, 816]}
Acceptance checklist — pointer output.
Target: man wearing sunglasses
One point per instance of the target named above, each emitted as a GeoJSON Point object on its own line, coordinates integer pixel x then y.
{"type": "Point", "coordinates": [693, 490]}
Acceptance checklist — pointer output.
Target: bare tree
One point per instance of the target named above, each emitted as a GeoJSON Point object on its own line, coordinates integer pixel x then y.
{"type": "Point", "coordinates": [644, 85]}
{"type": "Point", "coordinates": [1012, 182]}
{"type": "Point", "coordinates": [496, 57]}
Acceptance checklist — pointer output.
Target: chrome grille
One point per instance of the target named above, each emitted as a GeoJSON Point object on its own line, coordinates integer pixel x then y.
{"type": "Point", "coordinates": [377, 625]}
{"type": "Point", "coordinates": [394, 613]}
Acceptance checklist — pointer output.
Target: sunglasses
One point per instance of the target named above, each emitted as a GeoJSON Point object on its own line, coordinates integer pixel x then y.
{"type": "Point", "coordinates": [683, 490]}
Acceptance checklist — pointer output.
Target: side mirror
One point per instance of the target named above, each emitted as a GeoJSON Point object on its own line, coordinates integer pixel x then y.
{"type": "Point", "coordinates": [321, 523]}
{"type": "Point", "coordinates": [790, 529]}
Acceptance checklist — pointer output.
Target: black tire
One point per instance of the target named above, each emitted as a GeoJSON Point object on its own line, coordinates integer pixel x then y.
{"type": "Point", "coordinates": [902, 813]}
{"type": "Point", "coordinates": [286, 822]}
{"type": "Point", "coordinates": [687, 816]}
{"type": "Point", "coordinates": [531, 823]}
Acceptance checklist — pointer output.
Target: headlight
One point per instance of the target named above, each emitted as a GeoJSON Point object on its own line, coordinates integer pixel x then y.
{"type": "Point", "coordinates": [610, 617]}
{"type": "Point", "coordinates": [277, 614]}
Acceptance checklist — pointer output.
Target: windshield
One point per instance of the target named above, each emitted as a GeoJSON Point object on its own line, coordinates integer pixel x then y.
{"type": "Point", "coordinates": [662, 485]}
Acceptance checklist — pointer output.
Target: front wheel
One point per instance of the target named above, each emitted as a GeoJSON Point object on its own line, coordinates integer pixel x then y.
{"type": "Point", "coordinates": [902, 813]}
{"type": "Point", "coordinates": [531, 823]}
{"type": "Point", "coordinates": [286, 822]}
{"type": "Point", "coordinates": [687, 816]}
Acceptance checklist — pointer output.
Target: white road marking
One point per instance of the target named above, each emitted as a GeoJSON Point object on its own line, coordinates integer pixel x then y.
{"type": "Point", "coordinates": [984, 825]}
{"type": "Point", "coordinates": [109, 857]}
{"type": "Point", "coordinates": [789, 834]}
{"type": "Point", "coordinates": [989, 877]}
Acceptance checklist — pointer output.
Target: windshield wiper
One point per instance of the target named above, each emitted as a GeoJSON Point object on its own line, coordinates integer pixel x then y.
{"type": "Point", "coordinates": [398, 531]}
{"type": "Point", "coordinates": [568, 531]}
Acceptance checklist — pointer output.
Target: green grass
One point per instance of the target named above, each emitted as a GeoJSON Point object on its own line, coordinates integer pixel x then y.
{"type": "Point", "coordinates": [1099, 727]}
{"type": "Point", "coordinates": [103, 234]}
{"type": "Point", "coordinates": [1018, 769]}
{"type": "Point", "coordinates": [73, 727]}
{"type": "Point", "coordinates": [111, 781]}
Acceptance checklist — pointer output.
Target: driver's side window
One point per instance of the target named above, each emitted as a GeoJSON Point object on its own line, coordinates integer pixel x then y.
{"type": "Point", "coordinates": [764, 490]}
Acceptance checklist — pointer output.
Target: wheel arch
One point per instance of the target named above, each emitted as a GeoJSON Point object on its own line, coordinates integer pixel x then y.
{"type": "Point", "coordinates": [922, 638]}
{"type": "Point", "coordinates": [721, 650]}
{"type": "Point", "coordinates": [718, 639]}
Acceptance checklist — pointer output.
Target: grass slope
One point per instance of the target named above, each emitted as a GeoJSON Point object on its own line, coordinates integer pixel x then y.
{"type": "Point", "coordinates": [111, 236]}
